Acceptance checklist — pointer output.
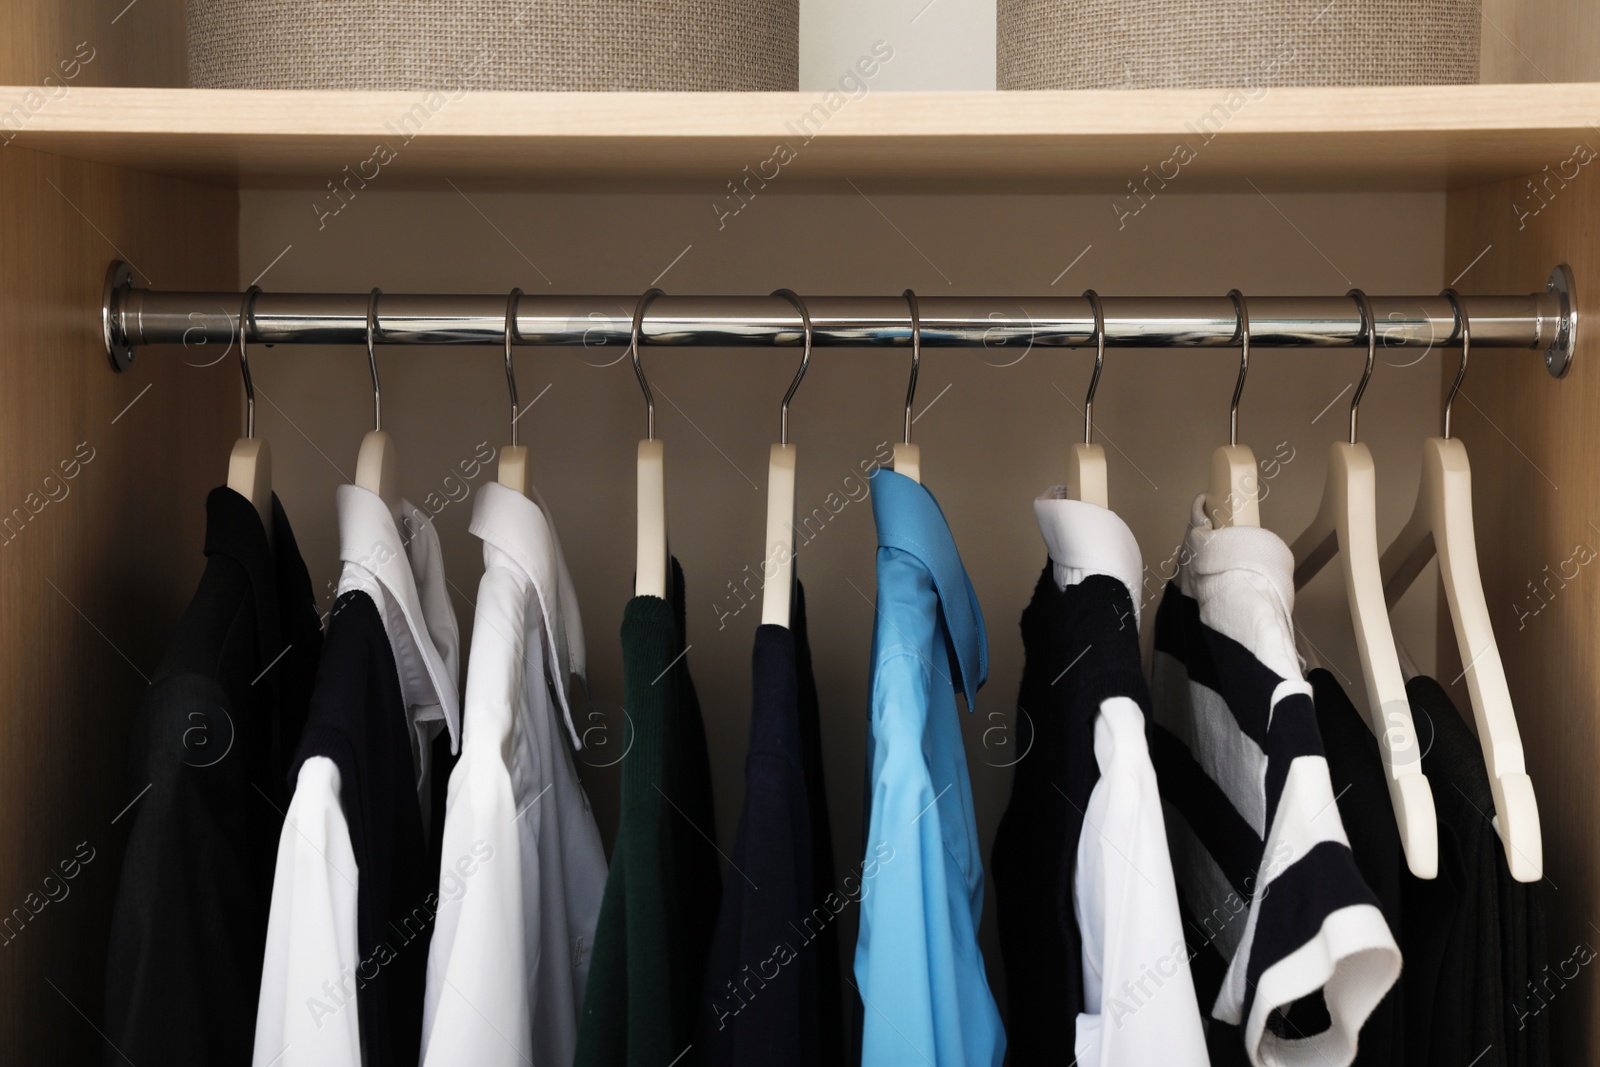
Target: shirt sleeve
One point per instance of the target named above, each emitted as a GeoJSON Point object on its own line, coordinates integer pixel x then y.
{"type": "Point", "coordinates": [1140, 1004]}
{"type": "Point", "coordinates": [307, 1015]}
{"type": "Point", "coordinates": [476, 1007]}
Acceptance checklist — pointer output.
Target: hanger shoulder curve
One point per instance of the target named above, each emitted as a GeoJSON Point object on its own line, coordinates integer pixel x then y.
{"type": "Point", "coordinates": [777, 572]}
{"type": "Point", "coordinates": [1449, 477]}
{"type": "Point", "coordinates": [377, 469]}
{"type": "Point", "coordinates": [1350, 504]}
{"type": "Point", "coordinates": [1442, 524]}
{"type": "Point", "coordinates": [250, 475]}
{"type": "Point", "coordinates": [907, 460]}
{"type": "Point", "coordinates": [513, 469]}
{"type": "Point", "coordinates": [1086, 475]}
{"type": "Point", "coordinates": [1231, 498]}
{"type": "Point", "coordinates": [651, 563]}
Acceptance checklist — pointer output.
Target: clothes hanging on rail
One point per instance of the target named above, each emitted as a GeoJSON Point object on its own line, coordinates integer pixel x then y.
{"type": "Point", "coordinates": [221, 719]}
{"type": "Point", "coordinates": [765, 990]}
{"type": "Point", "coordinates": [1469, 994]}
{"type": "Point", "coordinates": [522, 866]}
{"type": "Point", "coordinates": [917, 963]}
{"type": "Point", "coordinates": [665, 885]}
{"type": "Point", "coordinates": [1275, 907]}
{"type": "Point", "coordinates": [1089, 927]}
{"type": "Point", "coordinates": [354, 895]}
{"type": "Point", "coordinates": [1355, 768]}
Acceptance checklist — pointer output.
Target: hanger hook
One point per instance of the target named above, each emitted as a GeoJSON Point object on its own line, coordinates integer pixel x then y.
{"type": "Point", "coordinates": [638, 368]}
{"type": "Point", "coordinates": [1243, 312]}
{"type": "Point", "coordinates": [1466, 347]}
{"type": "Point", "coordinates": [511, 374]}
{"type": "Point", "coordinates": [916, 356]}
{"type": "Point", "coordinates": [805, 360]}
{"type": "Point", "coordinates": [1099, 361]}
{"type": "Point", "coordinates": [1369, 327]}
{"type": "Point", "coordinates": [246, 314]}
{"type": "Point", "coordinates": [372, 357]}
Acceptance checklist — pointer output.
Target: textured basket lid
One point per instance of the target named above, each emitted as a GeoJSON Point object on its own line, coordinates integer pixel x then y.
{"type": "Point", "coordinates": [494, 44]}
{"type": "Point", "coordinates": [1189, 44]}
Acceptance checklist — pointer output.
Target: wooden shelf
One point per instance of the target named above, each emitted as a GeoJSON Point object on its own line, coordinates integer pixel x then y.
{"type": "Point", "coordinates": [1386, 138]}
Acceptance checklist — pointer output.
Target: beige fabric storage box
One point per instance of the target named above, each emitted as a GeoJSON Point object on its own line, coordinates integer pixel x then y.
{"type": "Point", "coordinates": [1192, 44]}
{"type": "Point", "coordinates": [494, 44]}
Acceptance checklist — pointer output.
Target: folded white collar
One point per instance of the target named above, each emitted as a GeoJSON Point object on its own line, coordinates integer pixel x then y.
{"type": "Point", "coordinates": [1086, 539]}
{"type": "Point", "coordinates": [519, 527]}
{"type": "Point", "coordinates": [405, 578]}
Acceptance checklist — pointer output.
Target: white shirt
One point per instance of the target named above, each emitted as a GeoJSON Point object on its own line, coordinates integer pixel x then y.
{"type": "Point", "coordinates": [306, 1016]}
{"type": "Point", "coordinates": [510, 952]}
{"type": "Point", "coordinates": [1139, 1001]}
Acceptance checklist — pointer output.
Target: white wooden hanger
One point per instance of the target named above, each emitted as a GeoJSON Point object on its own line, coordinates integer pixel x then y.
{"type": "Point", "coordinates": [1442, 523]}
{"type": "Point", "coordinates": [777, 588]}
{"type": "Point", "coordinates": [650, 574]}
{"type": "Point", "coordinates": [907, 457]}
{"type": "Point", "coordinates": [377, 469]}
{"type": "Point", "coordinates": [1086, 465]}
{"type": "Point", "coordinates": [250, 463]}
{"type": "Point", "coordinates": [1232, 495]}
{"type": "Point", "coordinates": [513, 470]}
{"type": "Point", "coordinates": [1347, 525]}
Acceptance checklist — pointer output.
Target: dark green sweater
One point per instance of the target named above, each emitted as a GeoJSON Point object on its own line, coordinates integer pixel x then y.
{"type": "Point", "coordinates": [665, 885]}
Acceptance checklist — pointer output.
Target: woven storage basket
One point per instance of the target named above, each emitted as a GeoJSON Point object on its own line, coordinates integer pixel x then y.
{"type": "Point", "coordinates": [494, 44]}
{"type": "Point", "coordinates": [1191, 44]}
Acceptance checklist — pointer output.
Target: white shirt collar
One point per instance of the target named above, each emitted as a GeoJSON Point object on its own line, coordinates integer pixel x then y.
{"type": "Point", "coordinates": [1086, 539]}
{"type": "Point", "coordinates": [405, 578]}
{"type": "Point", "coordinates": [518, 528]}
{"type": "Point", "coordinates": [1243, 579]}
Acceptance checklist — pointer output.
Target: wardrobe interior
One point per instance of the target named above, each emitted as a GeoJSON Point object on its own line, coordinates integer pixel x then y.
{"type": "Point", "coordinates": [93, 582]}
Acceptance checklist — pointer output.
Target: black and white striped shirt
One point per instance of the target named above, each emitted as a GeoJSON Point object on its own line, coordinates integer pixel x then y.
{"type": "Point", "coordinates": [1290, 950]}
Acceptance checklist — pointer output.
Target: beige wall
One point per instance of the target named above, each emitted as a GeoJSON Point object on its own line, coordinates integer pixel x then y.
{"type": "Point", "coordinates": [993, 434]}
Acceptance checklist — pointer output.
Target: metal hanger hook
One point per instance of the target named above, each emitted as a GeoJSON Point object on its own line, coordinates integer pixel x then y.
{"type": "Point", "coordinates": [1369, 327]}
{"type": "Point", "coordinates": [511, 373]}
{"type": "Point", "coordinates": [372, 357]}
{"type": "Point", "coordinates": [246, 315]}
{"type": "Point", "coordinates": [1466, 348]}
{"type": "Point", "coordinates": [1243, 312]}
{"type": "Point", "coordinates": [916, 356]}
{"type": "Point", "coordinates": [805, 360]}
{"type": "Point", "coordinates": [1099, 362]}
{"type": "Point", "coordinates": [638, 368]}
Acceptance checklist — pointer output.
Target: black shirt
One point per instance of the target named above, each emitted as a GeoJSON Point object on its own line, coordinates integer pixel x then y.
{"type": "Point", "coordinates": [777, 915]}
{"type": "Point", "coordinates": [1080, 648]}
{"type": "Point", "coordinates": [358, 720]}
{"type": "Point", "coordinates": [1474, 937]}
{"type": "Point", "coordinates": [211, 740]}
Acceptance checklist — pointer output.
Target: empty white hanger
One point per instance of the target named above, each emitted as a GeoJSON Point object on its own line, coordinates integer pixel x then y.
{"type": "Point", "coordinates": [1086, 466]}
{"type": "Point", "coordinates": [907, 457]}
{"type": "Point", "coordinates": [377, 469]}
{"type": "Point", "coordinates": [1232, 496]}
{"type": "Point", "coordinates": [1442, 523]}
{"type": "Point", "coordinates": [777, 588]}
{"type": "Point", "coordinates": [250, 463]}
{"type": "Point", "coordinates": [1347, 524]}
{"type": "Point", "coordinates": [513, 470]}
{"type": "Point", "coordinates": [651, 562]}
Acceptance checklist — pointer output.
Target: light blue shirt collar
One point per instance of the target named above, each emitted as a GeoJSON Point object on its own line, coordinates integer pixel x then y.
{"type": "Point", "coordinates": [909, 519]}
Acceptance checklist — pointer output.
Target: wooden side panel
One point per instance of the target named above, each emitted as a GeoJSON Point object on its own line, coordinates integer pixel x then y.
{"type": "Point", "coordinates": [1533, 442]}
{"type": "Point", "coordinates": [1540, 41]}
{"type": "Point", "coordinates": [141, 42]}
{"type": "Point", "coordinates": [102, 490]}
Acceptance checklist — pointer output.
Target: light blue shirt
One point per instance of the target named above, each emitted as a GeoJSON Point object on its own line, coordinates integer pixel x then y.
{"type": "Point", "coordinates": [925, 996]}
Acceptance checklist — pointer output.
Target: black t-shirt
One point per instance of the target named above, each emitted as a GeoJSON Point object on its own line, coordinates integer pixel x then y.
{"type": "Point", "coordinates": [208, 751]}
